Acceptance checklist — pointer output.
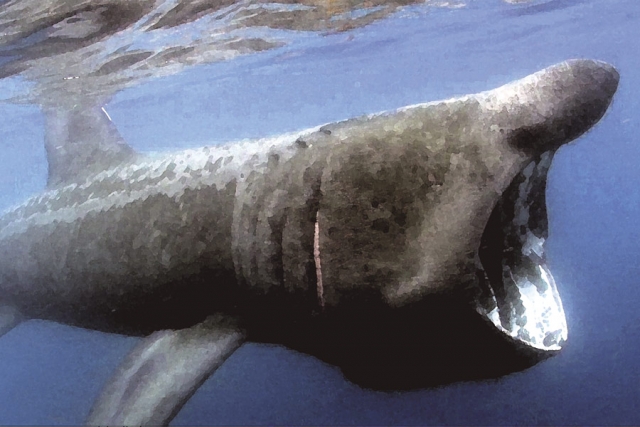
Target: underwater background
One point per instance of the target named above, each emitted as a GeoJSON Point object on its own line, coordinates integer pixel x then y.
{"type": "Point", "coordinates": [340, 61]}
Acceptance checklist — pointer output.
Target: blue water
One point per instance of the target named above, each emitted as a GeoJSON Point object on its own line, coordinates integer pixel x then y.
{"type": "Point", "coordinates": [50, 374]}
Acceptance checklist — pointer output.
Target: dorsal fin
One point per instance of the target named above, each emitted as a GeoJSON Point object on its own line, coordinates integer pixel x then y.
{"type": "Point", "coordinates": [80, 141]}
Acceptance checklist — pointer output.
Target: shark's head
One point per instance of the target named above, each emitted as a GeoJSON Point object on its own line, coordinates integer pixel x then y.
{"type": "Point", "coordinates": [448, 198]}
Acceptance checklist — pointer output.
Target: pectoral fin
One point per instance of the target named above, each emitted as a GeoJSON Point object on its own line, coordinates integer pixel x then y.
{"type": "Point", "coordinates": [163, 371]}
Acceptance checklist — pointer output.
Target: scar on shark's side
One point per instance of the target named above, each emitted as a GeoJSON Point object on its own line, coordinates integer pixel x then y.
{"type": "Point", "coordinates": [407, 247]}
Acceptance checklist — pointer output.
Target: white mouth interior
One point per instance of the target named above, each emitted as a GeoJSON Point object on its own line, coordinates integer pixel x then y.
{"type": "Point", "coordinates": [519, 295]}
{"type": "Point", "coordinates": [536, 318]}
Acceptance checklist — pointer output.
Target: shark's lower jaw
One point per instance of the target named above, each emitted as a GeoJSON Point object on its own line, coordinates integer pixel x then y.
{"type": "Point", "coordinates": [518, 293]}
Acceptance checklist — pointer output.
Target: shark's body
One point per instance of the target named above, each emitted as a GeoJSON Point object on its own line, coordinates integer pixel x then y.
{"type": "Point", "coordinates": [376, 221]}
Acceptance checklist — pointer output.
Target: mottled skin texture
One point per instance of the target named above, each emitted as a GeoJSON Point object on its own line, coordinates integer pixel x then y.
{"type": "Point", "coordinates": [399, 200]}
{"type": "Point", "coordinates": [402, 200]}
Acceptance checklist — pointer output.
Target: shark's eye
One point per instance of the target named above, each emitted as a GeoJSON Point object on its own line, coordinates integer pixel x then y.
{"type": "Point", "coordinates": [519, 294]}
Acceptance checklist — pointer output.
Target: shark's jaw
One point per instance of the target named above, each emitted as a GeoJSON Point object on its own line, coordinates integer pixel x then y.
{"type": "Point", "coordinates": [518, 292]}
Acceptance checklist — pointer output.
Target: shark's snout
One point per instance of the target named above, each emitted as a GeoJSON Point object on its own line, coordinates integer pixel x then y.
{"type": "Point", "coordinates": [554, 106]}
{"type": "Point", "coordinates": [603, 75]}
{"type": "Point", "coordinates": [609, 75]}
{"type": "Point", "coordinates": [598, 82]}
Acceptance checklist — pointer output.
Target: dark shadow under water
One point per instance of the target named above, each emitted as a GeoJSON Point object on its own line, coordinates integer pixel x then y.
{"type": "Point", "coordinates": [428, 344]}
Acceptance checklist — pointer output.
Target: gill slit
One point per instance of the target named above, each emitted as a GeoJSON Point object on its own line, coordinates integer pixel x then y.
{"type": "Point", "coordinates": [316, 259]}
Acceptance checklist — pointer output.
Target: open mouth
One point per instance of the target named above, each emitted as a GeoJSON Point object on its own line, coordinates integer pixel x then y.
{"type": "Point", "coordinates": [518, 293]}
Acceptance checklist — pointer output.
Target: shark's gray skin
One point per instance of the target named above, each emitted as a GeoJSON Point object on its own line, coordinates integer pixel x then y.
{"type": "Point", "coordinates": [322, 240]}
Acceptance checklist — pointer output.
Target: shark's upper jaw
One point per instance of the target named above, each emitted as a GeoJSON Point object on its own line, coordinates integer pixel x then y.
{"type": "Point", "coordinates": [518, 292]}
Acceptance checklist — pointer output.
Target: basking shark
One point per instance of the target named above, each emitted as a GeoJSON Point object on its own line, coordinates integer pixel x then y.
{"type": "Point", "coordinates": [430, 218]}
